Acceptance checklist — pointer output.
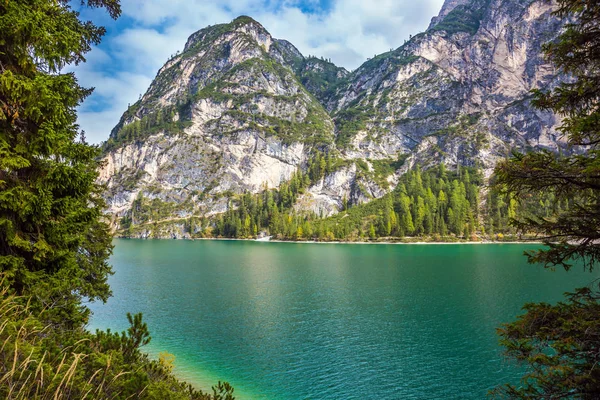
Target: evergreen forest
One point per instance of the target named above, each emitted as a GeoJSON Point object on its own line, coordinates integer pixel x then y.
{"type": "Point", "coordinates": [434, 204]}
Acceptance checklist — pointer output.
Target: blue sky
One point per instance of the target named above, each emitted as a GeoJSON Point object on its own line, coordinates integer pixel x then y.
{"type": "Point", "coordinates": [150, 31]}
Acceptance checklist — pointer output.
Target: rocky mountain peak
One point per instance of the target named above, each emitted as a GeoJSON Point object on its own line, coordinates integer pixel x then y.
{"type": "Point", "coordinates": [228, 114]}
{"type": "Point", "coordinates": [212, 34]}
{"type": "Point", "coordinates": [209, 57]}
{"type": "Point", "coordinates": [240, 111]}
{"type": "Point", "coordinates": [448, 6]}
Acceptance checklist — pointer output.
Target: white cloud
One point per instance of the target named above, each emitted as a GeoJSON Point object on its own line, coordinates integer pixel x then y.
{"type": "Point", "coordinates": [112, 95]}
{"type": "Point", "coordinates": [349, 32]}
{"type": "Point", "coordinates": [353, 29]}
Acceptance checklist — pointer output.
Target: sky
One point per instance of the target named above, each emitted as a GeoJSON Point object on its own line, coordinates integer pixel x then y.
{"type": "Point", "coordinates": [149, 31]}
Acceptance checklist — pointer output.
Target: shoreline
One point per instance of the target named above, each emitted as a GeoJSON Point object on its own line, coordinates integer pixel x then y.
{"type": "Point", "coordinates": [421, 242]}
{"type": "Point", "coordinates": [183, 369]}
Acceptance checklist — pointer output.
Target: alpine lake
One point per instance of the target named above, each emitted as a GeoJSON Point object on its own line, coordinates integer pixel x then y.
{"type": "Point", "coordinates": [330, 321]}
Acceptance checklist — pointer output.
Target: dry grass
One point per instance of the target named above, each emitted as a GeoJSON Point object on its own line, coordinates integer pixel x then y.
{"type": "Point", "coordinates": [46, 362]}
{"type": "Point", "coordinates": [27, 371]}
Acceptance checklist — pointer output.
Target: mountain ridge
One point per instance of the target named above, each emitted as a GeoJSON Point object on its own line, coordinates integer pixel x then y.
{"type": "Point", "coordinates": [240, 111]}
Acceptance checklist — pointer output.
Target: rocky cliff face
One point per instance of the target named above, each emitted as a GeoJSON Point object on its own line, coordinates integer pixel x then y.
{"type": "Point", "coordinates": [241, 111]}
{"type": "Point", "coordinates": [227, 115]}
{"type": "Point", "coordinates": [456, 93]}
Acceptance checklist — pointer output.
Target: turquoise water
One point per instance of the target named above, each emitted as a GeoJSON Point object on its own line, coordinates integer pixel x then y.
{"type": "Point", "coordinates": [327, 321]}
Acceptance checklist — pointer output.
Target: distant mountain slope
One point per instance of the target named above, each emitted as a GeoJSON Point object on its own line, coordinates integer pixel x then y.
{"type": "Point", "coordinates": [240, 111]}
{"type": "Point", "coordinates": [456, 93]}
{"type": "Point", "coordinates": [226, 115]}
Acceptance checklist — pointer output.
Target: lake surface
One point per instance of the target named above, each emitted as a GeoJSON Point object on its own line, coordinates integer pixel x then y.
{"type": "Point", "coordinates": [330, 321]}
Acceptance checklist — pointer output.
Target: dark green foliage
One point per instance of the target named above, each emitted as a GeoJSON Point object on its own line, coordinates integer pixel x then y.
{"type": "Point", "coordinates": [570, 233]}
{"type": "Point", "coordinates": [144, 210]}
{"type": "Point", "coordinates": [320, 165]}
{"type": "Point", "coordinates": [425, 203]}
{"type": "Point", "coordinates": [382, 169]}
{"type": "Point", "coordinates": [560, 343]}
{"type": "Point", "coordinates": [320, 77]}
{"type": "Point", "coordinates": [54, 241]}
{"type": "Point", "coordinates": [350, 121]}
{"type": "Point", "coordinates": [129, 342]}
{"type": "Point", "coordinates": [52, 238]}
{"type": "Point", "coordinates": [270, 210]}
{"type": "Point", "coordinates": [162, 120]}
{"type": "Point", "coordinates": [463, 18]}
{"type": "Point", "coordinates": [222, 391]}
{"type": "Point", "coordinates": [573, 178]}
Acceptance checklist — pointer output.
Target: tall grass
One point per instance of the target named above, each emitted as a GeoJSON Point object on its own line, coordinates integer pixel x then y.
{"type": "Point", "coordinates": [42, 362]}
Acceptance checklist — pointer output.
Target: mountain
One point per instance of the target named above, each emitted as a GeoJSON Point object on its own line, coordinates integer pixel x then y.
{"type": "Point", "coordinates": [240, 111]}
{"type": "Point", "coordinates": [458, 93]}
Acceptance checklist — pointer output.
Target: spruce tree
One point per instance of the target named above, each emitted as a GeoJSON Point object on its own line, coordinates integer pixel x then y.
{"type": "Point", "coordinates": [53, 241]}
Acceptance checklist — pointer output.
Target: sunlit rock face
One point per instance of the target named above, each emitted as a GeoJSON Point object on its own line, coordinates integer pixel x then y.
{"type": "Point", "coordinates": [240, 111]}
{"type": "Point", "coordinates": [460, 92]}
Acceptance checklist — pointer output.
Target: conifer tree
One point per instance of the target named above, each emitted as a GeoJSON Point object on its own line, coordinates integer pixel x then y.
{"type": "Point", "coordinates": [53, 240]}
{"type": "Point", "coordinates": [561, 343]}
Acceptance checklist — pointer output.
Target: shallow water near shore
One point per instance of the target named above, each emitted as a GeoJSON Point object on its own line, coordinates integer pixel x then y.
{"type": "Point", "coordinates": [328, 321]}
